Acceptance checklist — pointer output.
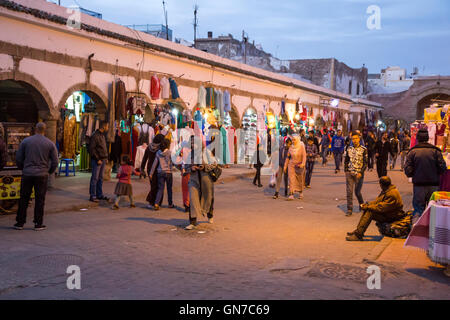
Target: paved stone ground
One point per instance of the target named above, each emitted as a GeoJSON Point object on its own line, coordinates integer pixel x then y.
{"type": "Point", "coordinates": [257, 248]}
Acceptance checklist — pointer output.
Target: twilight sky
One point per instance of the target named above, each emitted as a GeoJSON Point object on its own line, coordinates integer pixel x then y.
{"type": "Point", "coordinates": [413, 32]}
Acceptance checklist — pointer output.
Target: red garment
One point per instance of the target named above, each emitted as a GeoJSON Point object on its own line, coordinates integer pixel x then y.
{"type": "Point", "coordinates": [155, 88]}
{"type": "Point", "coordinates": [124, 173]}
{"type": "Point", "coordinates": [120, 100]}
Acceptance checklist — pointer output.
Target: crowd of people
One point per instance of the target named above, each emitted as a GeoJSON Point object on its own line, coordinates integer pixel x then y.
{"type": "Point", "coordinates": [199, 169]}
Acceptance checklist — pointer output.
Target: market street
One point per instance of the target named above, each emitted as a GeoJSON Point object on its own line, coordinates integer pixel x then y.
{"type": "Point", "coordinates": [257, 248]}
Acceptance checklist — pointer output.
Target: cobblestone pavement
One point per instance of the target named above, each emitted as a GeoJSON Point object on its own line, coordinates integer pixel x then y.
{"type": "Point", "coordinates": [257, 248]}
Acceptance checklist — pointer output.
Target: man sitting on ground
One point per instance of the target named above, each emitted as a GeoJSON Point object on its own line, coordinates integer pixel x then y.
{"type": "Point", "coordinates": [386, 208]}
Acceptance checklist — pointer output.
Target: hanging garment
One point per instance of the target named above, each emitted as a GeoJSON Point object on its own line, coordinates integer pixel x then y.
{"type": "Point", "coordinates": [440, 133]}
{"type": "Point", "coordinates": [120, 100]}
{"type": "Point", "coordinates": [85, 159]}
{"type": "Point", "coordinates": [231, 143]}
{"type": "Point", "coordinates": [432, 133]}
{"type": "Point", "coordinates": [210, 97]}
{"type": "Point", "coordinates": [116, 148]}
{"type": "Point", "coordinates": [414, 131]}
{"type": "Point", "coordinates": [69, 151]}
{"type": "Point", "coordinates": [149, 115]}
{"type": "Point", "coordinates": [155, 88]}
{"type": "Point", "coordinates": [225, 146]}
{"type": "Point", "coordinates": [201, 97]}
{"type": "Point", "coordinates": [165, 88]}
{"type": "Point", "coordinates": [126, 143]}
{"type": "Point", "coordinates": [226, 101]}
{"type": "Point", "coordinates": [283, 107]}
{"type": "Point", "coordinates": [174, 89]}
{"type": "Point", "coordinates": [433, 114]}
{"type": "Point", "coordinates": [187, 116]}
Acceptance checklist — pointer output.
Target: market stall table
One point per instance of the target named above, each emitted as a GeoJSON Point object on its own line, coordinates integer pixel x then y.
{"type": "Point", "coordinates": [432, 231]}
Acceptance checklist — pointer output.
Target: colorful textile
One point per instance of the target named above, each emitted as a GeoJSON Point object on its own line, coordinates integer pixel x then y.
{"type": "Point", "coordinates": [432, 232]}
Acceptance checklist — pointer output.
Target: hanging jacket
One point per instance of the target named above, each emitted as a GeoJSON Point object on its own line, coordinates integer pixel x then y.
{"type": "Point", "coordinates": [201, 97]}
{"type": "Point", "coordinates": [155, 88]}
{"type": "Point", "coordinates": [120, 100]}
{"type": "Point", "coordinates": [174, 89]}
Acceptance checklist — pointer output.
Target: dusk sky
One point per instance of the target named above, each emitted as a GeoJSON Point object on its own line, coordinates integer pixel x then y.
{"type": "Point", "coordinates": [413, 32]}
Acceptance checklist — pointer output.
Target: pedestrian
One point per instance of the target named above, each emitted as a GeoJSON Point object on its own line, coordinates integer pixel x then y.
{"type": "Point", "coordinates": [311, 154]}
{"type": "Point", "coordinates": [406, 142]}
{"type": "Point", "coordinates": [201, 186]}
{"type": "Point", "coordinates": [386, 208]}
{"type": "Point", "coordinates": [395, 150]}
{"type": "Point", "coordinates": [295, 165]}
{"type": "Point", "coordinates": [371, 147]}
{"type": "Point", "coordinates": [383, 149]}
{"type": "Point", "coordinates": [316, 140]}
{"type": "Point", "coordinates": [337, 148]}
{"type": "Point", "coordinates": [424, 164]}
{"type": "Point", "coordinates": [99, 158]}
{"type": "Point", "coordinates": [355, 164]}
{"type": "Point", "coordinates": [282, 155]}
{"type": "Point", "coordinates": [147, 164]}
{"type": "Point", "coordinates": [259, 158]}
{"type": "Point", "coordinates": [325, 144]}
{"type": "Point", "coordinates": [184, 161]}
{"type": "Point", "coordinates": [162, 171]}
{"type": "Point", "coordinates": [303, 136]}
{"type": "Point", "coordinates": [123, 186]}
{"type": "Point", "coordinates": [37, 157]}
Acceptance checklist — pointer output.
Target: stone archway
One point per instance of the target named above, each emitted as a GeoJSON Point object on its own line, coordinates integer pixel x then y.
{"type": "Point", "coordinates": [427, 97]}
{"type": "Point", "coordinates": [41, 97]}
{"type": "Point", "coordinates": [100, 99]}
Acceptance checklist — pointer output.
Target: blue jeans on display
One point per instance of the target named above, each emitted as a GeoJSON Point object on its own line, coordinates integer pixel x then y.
{"type": "Point", "coordinates": [96, 184]}
{"type": "Point", "coordinates": [337, 160]}
{"type": "Point", "coordinates": [164, 178]}
{"type": "Point", "coordinates": [421, 197]}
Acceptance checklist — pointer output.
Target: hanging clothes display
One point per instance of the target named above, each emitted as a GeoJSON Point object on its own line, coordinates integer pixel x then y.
{"type": "Point", "coordinates": [210, 97]}
{"type": "Point", "coordinates": [155, 88]}
{"type": "Point", "coordinates": [120, 100]}
{"type": "Point", "coordinates": [225, 147]}
{"type": "Point", "coordinates": [165, 88]}
{"type": "Point", "coordinates": [201, 97]}
{"type": "Point", "coordinates": [440, 136]}
{"type": "Point", "coordinates": [226, 101]}
{"type": "Point", "coordinates": [231, 143]}
{"type": "Point", "coordinates": [69, 151]}
{"type": "Point", "coordinates": [174, 89]}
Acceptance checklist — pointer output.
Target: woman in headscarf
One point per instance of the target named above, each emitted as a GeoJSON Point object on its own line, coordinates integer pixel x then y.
{"type": "Point", "coordinates": [147, 163]}
{"type": "Point", "coordinates": [295, 166]}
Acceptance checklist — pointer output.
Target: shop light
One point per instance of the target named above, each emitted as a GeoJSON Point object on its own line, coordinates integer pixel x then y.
{"type": "Point", "coordinates": [335, 103]}
{"type": "Point", "coordinates": [175, 112]}
{"type": "Point", "coordinates": [297, 117]}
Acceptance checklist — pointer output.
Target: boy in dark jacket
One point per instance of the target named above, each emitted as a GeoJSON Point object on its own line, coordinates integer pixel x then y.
{"type": "Point", "coordinates": [259, 159]}
{"type": "Point", "coordinates": [424, 164]}
{"type": "Point", "coordinates": [99, 158]}
{"type": "Point", "coordinates": [382, 149]}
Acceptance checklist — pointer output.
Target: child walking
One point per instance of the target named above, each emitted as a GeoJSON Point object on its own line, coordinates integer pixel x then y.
{"type": "Point", "coordinates": [311, 154]}
{"type": "Point", "coordinates": [123, 186]}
